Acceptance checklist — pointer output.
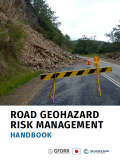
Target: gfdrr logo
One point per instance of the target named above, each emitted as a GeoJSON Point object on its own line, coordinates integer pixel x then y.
{"type": "Point", "coordinates": [76, 151]}
{"type": "Point", "coordinates": [59, 151]}
{"type": "Point", "coordinates": [50, 151]}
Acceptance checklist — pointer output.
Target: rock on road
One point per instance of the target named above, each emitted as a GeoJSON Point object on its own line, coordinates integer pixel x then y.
{"type": "Point", "coordinates": [81, 90]}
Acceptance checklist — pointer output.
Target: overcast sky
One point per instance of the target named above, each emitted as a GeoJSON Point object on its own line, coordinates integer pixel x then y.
{"type": "Point", "coordinates": [86, 17]}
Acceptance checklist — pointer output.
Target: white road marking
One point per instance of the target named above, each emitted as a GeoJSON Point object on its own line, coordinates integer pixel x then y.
{"type": "Point", "coordinates": [111, 79]}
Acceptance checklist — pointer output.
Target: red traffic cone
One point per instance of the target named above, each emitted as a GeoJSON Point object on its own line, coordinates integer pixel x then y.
{"type": "Point", "coordinates": [89, 61]}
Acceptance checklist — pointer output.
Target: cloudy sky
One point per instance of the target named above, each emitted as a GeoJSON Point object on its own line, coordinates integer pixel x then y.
{"type": "Point", "coordinates": [87, 17]}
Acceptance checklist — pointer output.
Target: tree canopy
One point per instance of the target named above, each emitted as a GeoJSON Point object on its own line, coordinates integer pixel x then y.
{"type": "Point", "coordinates": [50, 24]}
{"type": "Point", "coordinates": [114, 38]}
{"type": "Point", "coordinates": [84, 45]}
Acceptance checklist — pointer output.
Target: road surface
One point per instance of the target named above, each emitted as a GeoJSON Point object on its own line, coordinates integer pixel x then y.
{"type": "Point", "coordinates": [81, 90]}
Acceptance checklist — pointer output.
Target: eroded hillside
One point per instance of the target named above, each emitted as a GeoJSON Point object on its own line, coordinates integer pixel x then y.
{"type": "Point", "coordinates": [40, 53]}
{"type": "Point", "coordinates": [44, 54]}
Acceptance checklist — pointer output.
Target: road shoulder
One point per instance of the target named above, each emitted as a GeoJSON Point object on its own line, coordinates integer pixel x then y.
{"type": "Point", "coordinates": [23, 95]}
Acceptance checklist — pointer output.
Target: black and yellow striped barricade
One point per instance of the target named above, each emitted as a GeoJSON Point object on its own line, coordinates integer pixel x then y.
{"type": "Point", "coordinates": [66, 74]}
{"type": "Point", "coordinates": [74, 73]}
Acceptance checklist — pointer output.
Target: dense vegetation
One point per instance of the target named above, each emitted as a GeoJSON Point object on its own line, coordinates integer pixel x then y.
{"type": "Point", "coordinates": [85, 45]}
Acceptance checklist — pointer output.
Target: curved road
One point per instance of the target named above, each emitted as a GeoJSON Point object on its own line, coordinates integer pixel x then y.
{"type": "Point", "coordinates": [81, 90]}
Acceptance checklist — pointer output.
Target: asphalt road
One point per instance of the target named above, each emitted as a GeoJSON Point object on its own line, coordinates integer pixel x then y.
{"type": "Point", "coordinates": [81, 90]}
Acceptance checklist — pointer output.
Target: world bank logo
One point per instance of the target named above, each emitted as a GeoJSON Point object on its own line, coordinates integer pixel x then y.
{"type": "Point", "coordinates": [86, 151]}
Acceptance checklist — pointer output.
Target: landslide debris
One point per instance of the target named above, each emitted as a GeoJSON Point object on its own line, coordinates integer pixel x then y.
{"type": "Point", "coordinates": [44, 54]}
{"type": "Point", "coordinates": [115, 56]}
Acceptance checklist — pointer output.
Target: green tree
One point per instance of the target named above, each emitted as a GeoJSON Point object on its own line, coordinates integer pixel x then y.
{"type": "Point", "coordinates": [50, 24]}
{"type": "Point", "coordinates": [83, 44]}
{"type": "Point", "coordinates": [47, 19]}
{"type": "Point", "coordinates": [68, 43]}
{"type": "Point", "coordinates": [114, 38]}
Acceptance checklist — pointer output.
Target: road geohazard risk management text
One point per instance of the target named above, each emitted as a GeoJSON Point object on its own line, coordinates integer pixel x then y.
{"type": "Point", "coordinates": [56, 124]}
{"type": "Point", "coordinates": [22, 120]}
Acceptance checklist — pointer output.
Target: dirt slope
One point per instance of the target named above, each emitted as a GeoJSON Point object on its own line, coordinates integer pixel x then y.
{"type": "Point", "coordinates": [44, 54]}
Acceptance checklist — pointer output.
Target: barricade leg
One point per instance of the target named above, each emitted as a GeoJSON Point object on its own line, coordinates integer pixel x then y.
{"type": "Point", "coordinates": [98, 83]}
{"type": "Point", "coordinates": [53, 88]}
{"type": "Point", "coordinates": [99, 87]}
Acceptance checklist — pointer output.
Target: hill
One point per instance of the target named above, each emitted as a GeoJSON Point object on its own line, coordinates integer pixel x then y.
{"type": "Point", "coordinates": [25, 51]}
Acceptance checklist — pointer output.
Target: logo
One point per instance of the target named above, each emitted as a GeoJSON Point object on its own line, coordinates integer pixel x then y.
{"type": "Point", "coordinates": [86, 151]}
{"type": "Point", "coordinates": [50, 151]}
{"type": "Point", "coordinates": [59, 151]}
{"type": "Point", "coordinates": [98, 151]}
{"type": "Point", "coordinates": [76, 151]}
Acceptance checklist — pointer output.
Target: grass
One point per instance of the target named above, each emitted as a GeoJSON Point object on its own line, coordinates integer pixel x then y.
{"type": "Point", "coordinates": [12, 73]}
{"type": "Point", "coordinates": [15, 76]}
